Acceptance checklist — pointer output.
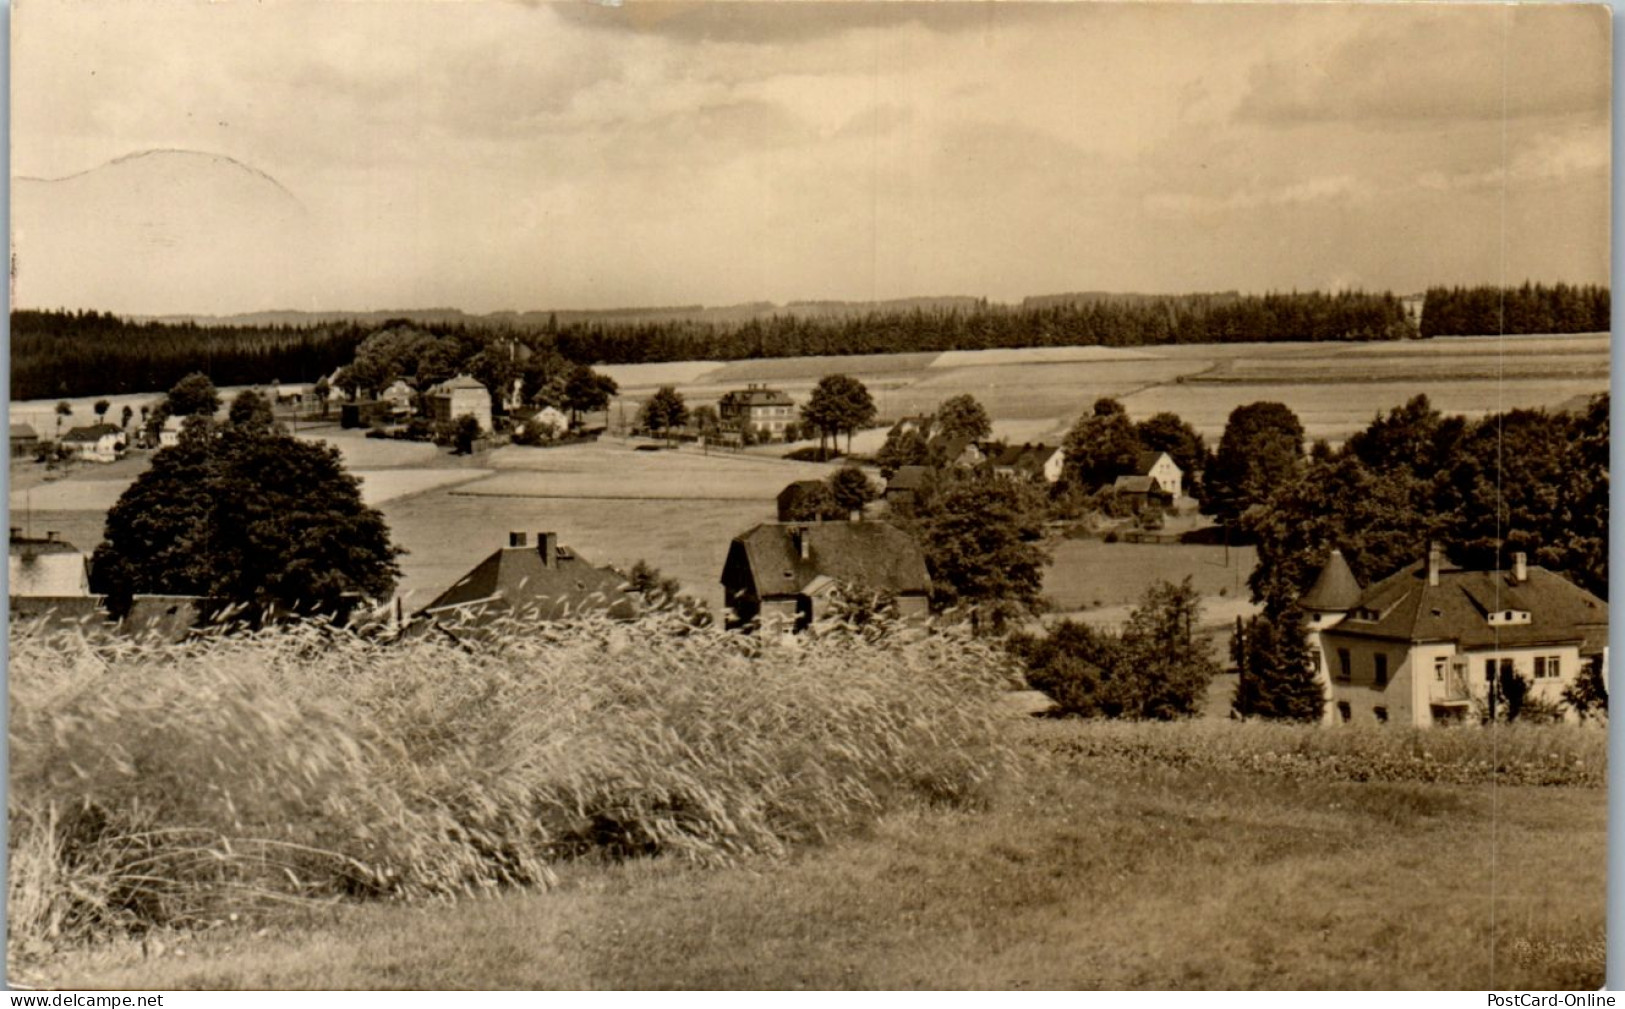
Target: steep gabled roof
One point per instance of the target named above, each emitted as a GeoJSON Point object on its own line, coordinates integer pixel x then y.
{"type": "Point", "coordinates": [1029, 458]}
{"type": "Point", "coordinates": [909, 478]}
{"type": "Point", "coordinates": [1406, 608]}
{"type": "Point", "coordinates": [514, 580]}
{"type": "Point", "coordinates": [91, 432]}
{"type": "Point", "coordinates": [1144, 462]}
{"type": "Point", "coordinates": [1336, 590]}
{"type": "Point", "coordinates": [1136, 484]}
{"type": "Point", "coordinates": [460, 382]}
{"type": "Point", "coordinates": [873, 555]}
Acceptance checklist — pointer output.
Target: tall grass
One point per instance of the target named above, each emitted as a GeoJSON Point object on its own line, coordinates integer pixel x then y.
{"type": "Point", "coordinates": [1514, 754]}
{"type": "Point", "coordinates": [176, 785]}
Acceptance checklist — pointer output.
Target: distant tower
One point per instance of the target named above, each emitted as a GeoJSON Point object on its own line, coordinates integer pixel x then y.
{"type": "Point", "coordinates": [1327, 602]}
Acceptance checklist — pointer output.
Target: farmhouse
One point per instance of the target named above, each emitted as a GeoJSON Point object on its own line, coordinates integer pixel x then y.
{"type": "Point", "coordinates": [907, 486]}
{"type": "Point", "coordinates": [46, 568]}
{"type": "Point", "coordinates": [461, 397]}
{"type": "Point", "coordinates": [960, 452]}
{"type": "Point", "coordinates": [1141, 491]}
{"type": "Point", "coordinates": [23, 439]}
{"type": "Point", "coordinates": [398, 396]}
{"type": "Point", "coordinates": [1027, 462]}
{"type": "Point", "coordinates": [95, 442]}
{"type": "Point", "coordinates": [540, 581]}
{"type": "Point", "coordinates": [788, 573]}
{"type": "Point", "coordinates": [1424, 644]}
{"type": "Point", "coordinates": [1160, 467]}
{"type": "Point", "coordinates": [757, 408]}
{"type": "Point", "coordinates": [169, 433]}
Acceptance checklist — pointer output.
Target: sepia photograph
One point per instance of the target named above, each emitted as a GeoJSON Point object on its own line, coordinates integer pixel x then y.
{"type": "Point", "coordinates": [798, 494]}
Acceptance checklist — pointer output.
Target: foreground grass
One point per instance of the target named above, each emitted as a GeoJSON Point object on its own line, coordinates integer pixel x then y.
{"type": "Point", "coordinates": [1092, 871]}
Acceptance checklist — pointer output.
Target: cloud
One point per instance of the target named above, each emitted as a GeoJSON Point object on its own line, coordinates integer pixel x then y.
{"type": "Point", "coordinates": [798, 21]}
{"type": "Point", "coordinates": [1341, 189]}
{"type": "Point", "coordinates": [1430, 63]}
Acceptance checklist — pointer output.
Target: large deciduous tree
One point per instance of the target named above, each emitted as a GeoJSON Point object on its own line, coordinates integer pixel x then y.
{"type": "Point", "coordinates": [981, 539]}
{"type": "Point", "coordinates": [586, 391]}
{"type": "Point", "coordinates": [245, 515]}
{"type": "Point", "coordinates": [838, 403]}
{"type": "Point", "coordinates": [1101, 446]}
{"type": "Point", "coordinates": [191, 396]}
{"type": "Point", "coordinates": [962, 417]}
{"type": "Point", "coordinates": [1260, 452]}
{"type": "Point", "coordinates": [664, 410]}
{"type": "Point", "coordinates": [1154, 668]}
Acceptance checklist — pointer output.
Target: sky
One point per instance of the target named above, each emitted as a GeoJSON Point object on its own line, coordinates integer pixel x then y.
{"type": "Point", "coordinates": [512, 156]}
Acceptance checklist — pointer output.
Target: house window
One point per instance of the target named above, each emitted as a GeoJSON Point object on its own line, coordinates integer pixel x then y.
{"type": "Point", "coordinates": [1489, 670]}
{"type": "Point", "coordinates": [1381, 671]}
{"type": "Point", "coordinates": [1314, 660]}
{"type": "Point", "coordinates": [1438, 669]}
{"type": "Point", "coordinates": [1381, 713]}
{"type": "Point", "coordinates": [1344, 712]}
{"type": "Point", "coordinates": [1344, 670]}
{"type": "Point", "coordinates": [1548, 667]}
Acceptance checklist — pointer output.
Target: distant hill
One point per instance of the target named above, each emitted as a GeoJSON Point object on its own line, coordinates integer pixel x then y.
{"type": "Point", "coordinates": [532, 321]}
{"type": "Point", "coordinates": [1077, 298]}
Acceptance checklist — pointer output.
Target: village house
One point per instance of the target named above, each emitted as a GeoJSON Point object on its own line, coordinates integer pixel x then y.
{"type": "Point", "coordinates": [399, 397]}
{"type": "Point", "coordinates": [787, 574]}
{"type": "Point", "coordinates": [48, 567]}
{"type": "Point", "coordinates": [759, 409]}
{"type": "Point", "coordinates": [1162, 469]}
{"type": "Point", "coordinates": [550, 417]}
{"type": "Point", "coordinates": [95, 442]}
{"type": "Point", "coordinates": [1424, 645]}
{"type": "Point", "coordinates": [907, 487]}
{"type": "Point", "coordinates": [1028, 462]}
{"type": "Point", "coordinates": [959, 452]}
{"type": "Point", "coordinates": [24, 440]}
{"type": "Point", "coordinates": [461, 397]}
{"type": "Point", "coordinates": [169, 433]}
{"type": "Point", "coordinates": [529, 581]}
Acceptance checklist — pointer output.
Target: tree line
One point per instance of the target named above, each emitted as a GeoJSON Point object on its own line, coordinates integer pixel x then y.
{"type": "Point", "coordinates": [65, 354]}
{"type": "Point", "coordinates": [1531, 308]}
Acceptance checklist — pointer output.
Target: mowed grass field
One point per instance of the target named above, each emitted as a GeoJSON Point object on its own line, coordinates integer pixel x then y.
{"type": "Point", "coordinates": [1085, 872]}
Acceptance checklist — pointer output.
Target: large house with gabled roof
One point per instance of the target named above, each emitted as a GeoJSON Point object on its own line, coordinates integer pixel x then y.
{"type": "Point", "coordinates": [529, 582]}
{"type": "Point", "coordinates": [1424, 645]}
{"type": "Point", "coordinates": [787, 573]}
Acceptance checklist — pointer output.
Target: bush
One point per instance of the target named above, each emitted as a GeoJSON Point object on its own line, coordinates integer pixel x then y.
{"type": "Point", "coordinates": [1155, 668]}
{"type": "Point", "coordinates": [814, 454]}
{"type": "Point", "coordinates": [174, 785]}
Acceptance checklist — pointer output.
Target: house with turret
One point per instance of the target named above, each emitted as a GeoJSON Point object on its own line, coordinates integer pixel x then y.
{"type": "Point", "coordinates": [1426, 644]}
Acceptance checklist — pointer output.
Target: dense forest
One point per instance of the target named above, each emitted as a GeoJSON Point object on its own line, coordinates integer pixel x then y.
{"type": "Point", "coordinates": [1532, 308]}
{"type": "Point", "coordinates": [58, 354]}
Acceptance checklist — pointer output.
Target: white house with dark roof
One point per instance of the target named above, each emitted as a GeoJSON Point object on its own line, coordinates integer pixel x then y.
{"type": "Point", "coordinates": [95, 442]}
{"type": "Point", "coordinates": [786, 573]}
{"type": "Point", "coordinates": [757, 408]}
{"type": "Point", "coordinates": [1423, 645]}
{"type": "Point", "coordinates": [462, 396]}
{"type": "Point", "coordinates": [1163, 471]}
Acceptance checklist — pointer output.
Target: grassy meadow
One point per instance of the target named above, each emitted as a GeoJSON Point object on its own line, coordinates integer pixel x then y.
{"type": "Point", "coordinates": [1190, 855]}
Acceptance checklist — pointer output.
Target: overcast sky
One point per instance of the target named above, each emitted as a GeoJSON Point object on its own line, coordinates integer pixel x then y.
{"type": "Point", "coordinates": [512, 156]}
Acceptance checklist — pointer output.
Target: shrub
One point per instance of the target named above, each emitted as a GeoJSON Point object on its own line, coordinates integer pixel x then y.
{"type": "Point", "coordinates": [1155, 668]}
{"type": "Point", "coordinates": [174, 785]}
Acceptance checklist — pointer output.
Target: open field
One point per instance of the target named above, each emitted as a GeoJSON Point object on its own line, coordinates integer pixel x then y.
{"type": "Point", "coordinates": [678, 510]}
{"type": "Point", "coordinates": [1334, 387]}
{"type": "Point", "coordinates": [1089, 871]}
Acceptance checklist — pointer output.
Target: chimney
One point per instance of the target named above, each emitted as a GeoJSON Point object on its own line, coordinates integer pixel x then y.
{"type": "Point", "coordinates": [1435, 562]}
{"type": "Point", "coordinates": [547, 544]}
{"type": "Point", "coordinates": [516, 539]}
{"type": "Point", "coordinates": [51, 536]}
{"type": "Point", "coordinates": [1520, 567]}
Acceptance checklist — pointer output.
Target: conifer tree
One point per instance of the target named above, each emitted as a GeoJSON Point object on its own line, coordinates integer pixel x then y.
{"type": "Point", "coordinates": [1277, 672]}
